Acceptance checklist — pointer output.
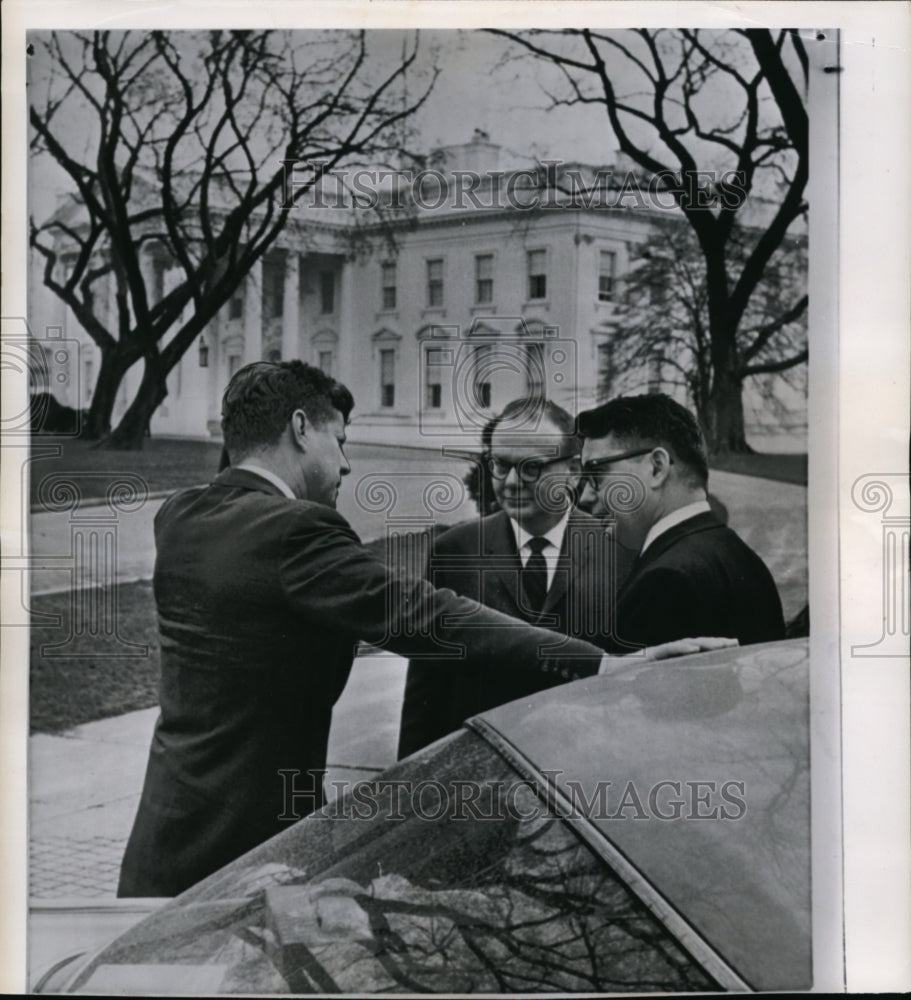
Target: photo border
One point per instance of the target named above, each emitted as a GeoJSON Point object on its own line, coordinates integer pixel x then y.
{"type": "Point", "coordinates": [858, 426]}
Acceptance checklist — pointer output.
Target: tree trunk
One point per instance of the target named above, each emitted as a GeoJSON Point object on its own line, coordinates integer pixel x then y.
{"type": "Point", "coordinates": [725, 423]}
{"type": "Point", "coordinates": [97, 424]}
{"type": "Point", "coordinates": [131, 432]}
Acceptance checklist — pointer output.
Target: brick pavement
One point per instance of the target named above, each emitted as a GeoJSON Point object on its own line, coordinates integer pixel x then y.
{"type": "Point", "coordinates": [85, 783]}
{"type": "Point", "coordinates": [62, 865]}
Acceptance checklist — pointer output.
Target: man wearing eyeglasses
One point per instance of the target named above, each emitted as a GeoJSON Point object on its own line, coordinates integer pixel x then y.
{"type": "Point", "coordinates": [537, 558]}
{"type": "Point", "coordinates": [645, 463]}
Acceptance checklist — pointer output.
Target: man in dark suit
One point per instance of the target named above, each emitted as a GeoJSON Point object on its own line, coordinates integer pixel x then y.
{"type": "Point", "coordinates": [537, 558]}
{"type": "Point", "coordinates": [693, 575]}
{"type": "Point", "coordinates": [263, 591]}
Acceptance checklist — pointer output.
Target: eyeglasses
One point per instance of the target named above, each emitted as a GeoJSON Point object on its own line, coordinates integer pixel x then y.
{"type": "Point", "coordinates": [596, 466]}
{"type": "Point", "coordinates": [529, 469]}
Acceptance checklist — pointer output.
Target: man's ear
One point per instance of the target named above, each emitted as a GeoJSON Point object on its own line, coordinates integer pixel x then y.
{"type": "Point", "coordinates": [298, 428]}
{"type": "Point", "coordinates": [661, 463]}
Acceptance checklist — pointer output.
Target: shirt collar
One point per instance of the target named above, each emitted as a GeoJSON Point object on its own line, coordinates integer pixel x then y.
{"type": "Point", "coordinates": [554, 535]}
{"type": "Point", "coordinates": [271, 477]}
{"type": "Point", "coordinates": [675, 517]}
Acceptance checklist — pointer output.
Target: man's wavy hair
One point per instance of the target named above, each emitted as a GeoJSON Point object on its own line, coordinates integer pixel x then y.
{"type": "Point", "coordinates": [653, 419]}
{"type": "Point", "coordinates": [259, 400]}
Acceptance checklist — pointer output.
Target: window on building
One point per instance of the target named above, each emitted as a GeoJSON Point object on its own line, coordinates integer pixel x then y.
{"type": "Point", "coordinates": [273, 288]}
{"type": "Point", "coordinates": [607, 275]}
{"type": "Point", "coordinates": [236, 304]}
{"type": "Point", "coordinates": [534, 369]}
{"type": "Point", "coordinates": [387, 377]}
{"type": "Point", "coordinates": [327, 292]}
{"type": "Point", "coordinates": [233, 364]}
{"type": "Point", "coordinates": [482, 369]}
{"type": "Point", "coordinates": [156, 292]}
{"type": "Point", "coordinates": [483, 274]}
{"type": "Point", "coordinates": [434, 283]}
{"type": "Point", "coordinates": [39, 368]}
{"type": "Point", "coordinates": [324, 362]}
{"type": "Point", "coordinates": [605, 371]}
{"type": "Point", "coordinates": [67, 265]}
{"type": "Point", "coordinates": [657, 291]}
{"type": "Point", "coordinates": [389, 284]}
{"type": "Point", "coordinates": [434, 395]}
{"type": "Point", "coordinates": [433, 388]}
{"type": "Point", "coordinates": [88, 375]}
{"type": "Point", "coordinates": [537, 274]}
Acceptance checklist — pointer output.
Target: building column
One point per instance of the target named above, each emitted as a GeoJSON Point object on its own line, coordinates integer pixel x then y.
{"type": "Point", "coordinates": [147, 270]}
{"type": "Point", "coordinates": [291, 308]}
{"type": "Point", "coordinates": [348, 367]}
{"type": "Point", "coordinates": [253, 314]}
{"type": "Point", "coordinates": [209, 377]}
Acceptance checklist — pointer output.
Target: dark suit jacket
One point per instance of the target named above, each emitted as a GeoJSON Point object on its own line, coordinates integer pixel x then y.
{"type": "Point", "coordinates": [479, 559]}
{"type": "Point", "coordinates": [261, 600]}
{"type": "Point", "coordinates": [697, 578]}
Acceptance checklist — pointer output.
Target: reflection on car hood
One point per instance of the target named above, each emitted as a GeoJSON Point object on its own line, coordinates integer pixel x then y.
{"type": "Point", "coordinates": [697, 772]}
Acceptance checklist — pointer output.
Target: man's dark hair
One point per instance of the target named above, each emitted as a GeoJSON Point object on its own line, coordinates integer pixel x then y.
{"type": "Point", "coordinates": [478, 480]}
{"type": "Point", "coordinates": [527, 414]}
{"type": "Point", "coordinates": [259, 400]}
{"type": "Point", "coordinates": [654, 419]}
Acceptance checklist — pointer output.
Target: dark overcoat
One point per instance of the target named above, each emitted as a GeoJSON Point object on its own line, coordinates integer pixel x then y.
{"type": "Point", "coordinates": [261, 602]}
{"type": "Point", "coordinates": [697, 578]}
{"type": "Point", "coordinates": [479, 559]}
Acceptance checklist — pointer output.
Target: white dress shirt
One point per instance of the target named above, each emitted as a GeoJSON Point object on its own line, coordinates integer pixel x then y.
{"type": "Point", "coordinates": [675, 517]}
{"type": "Point", "coordinates": [551, 551]}
{"type": "Point", "coordinates": [276, 481]}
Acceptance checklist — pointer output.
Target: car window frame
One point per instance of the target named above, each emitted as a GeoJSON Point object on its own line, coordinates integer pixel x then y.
{"type": "Point", "coordinates": [676, 924]}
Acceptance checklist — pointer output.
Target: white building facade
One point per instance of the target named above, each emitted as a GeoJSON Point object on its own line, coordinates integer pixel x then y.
{"type": "Point", "coordinates": [434, 320]}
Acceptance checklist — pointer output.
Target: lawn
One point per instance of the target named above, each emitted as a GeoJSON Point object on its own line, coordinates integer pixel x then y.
{"type": "Point", "coordinates": [162, 464]}
{"type": "Point", "coordinates": [783, 468]}
{"type": "Point", "coordinates": [76, 678]}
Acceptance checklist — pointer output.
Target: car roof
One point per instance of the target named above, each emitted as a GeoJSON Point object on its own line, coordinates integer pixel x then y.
{"type": "Point", "coordinates": [731, 730]}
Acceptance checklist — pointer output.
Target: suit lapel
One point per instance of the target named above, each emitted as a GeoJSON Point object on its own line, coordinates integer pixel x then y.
{"type": "Point", "coordinates": [569, 565]}
{"type": "Point", "coordinates": [584, 551]}
{"type": "Point", "coordinates": [498, 544]}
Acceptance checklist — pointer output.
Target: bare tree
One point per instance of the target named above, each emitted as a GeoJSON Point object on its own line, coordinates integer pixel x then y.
{"type": "Point", "coordinates": [663, 319]}
{"type": "Point", "coordinates": [715, 121]}
{"type": "Point", "coordinates": [182, 145]}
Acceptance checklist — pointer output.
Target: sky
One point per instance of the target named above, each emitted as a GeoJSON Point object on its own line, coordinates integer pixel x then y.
{"type": "Point", "coordinates": [481, 87]}
{"type": "Point", "coordinates": [478, 87]}
{"type": "Point", "coordinates": [485, 82]}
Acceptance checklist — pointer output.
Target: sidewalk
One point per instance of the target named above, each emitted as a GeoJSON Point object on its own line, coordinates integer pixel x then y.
{"type": "Point", "coordinates": [85, 784]}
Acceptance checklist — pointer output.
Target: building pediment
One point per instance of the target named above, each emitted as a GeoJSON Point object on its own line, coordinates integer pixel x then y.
{"type": "Point", "coordinates": [385, 335]}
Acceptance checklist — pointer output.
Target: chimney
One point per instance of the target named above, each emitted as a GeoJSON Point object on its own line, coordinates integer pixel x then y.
{"type": "Point", "coordinates": [479, 155]}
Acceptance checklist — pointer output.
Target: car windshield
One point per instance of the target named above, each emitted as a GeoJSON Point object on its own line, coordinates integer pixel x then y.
{"type": "Point", "coordinates": [423, 881]}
